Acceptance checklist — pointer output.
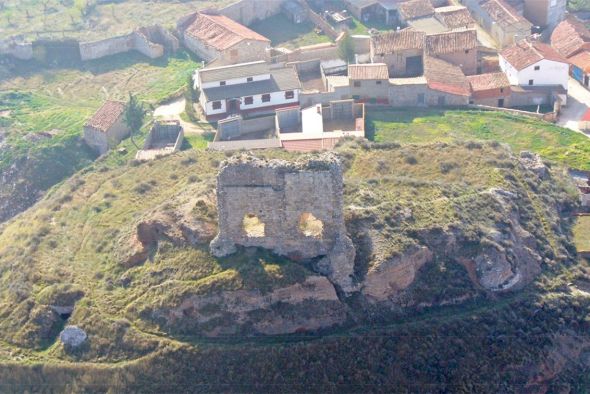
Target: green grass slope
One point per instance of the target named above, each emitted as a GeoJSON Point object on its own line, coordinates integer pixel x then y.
{"type": "Point", "coordinates": [71, 248]}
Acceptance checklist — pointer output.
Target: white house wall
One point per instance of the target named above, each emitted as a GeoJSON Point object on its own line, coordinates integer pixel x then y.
{"type": "Point", "coordinates": [549, 73]}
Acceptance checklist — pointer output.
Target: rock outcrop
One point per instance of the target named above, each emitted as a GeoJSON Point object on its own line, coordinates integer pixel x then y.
{"type": "Point", "coordinates": [72, 337]}
{"type": "Point", "coordinates": [281, 197]}
{"type": "Point", "coordinates": [307, 306]}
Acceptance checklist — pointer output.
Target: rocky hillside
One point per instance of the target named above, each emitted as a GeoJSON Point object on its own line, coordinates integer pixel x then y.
{"type": "Point", "coordinates": [451, 235]}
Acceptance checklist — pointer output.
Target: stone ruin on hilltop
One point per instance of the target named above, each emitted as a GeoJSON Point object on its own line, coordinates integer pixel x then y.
{"type": "Point", "coordinates": [294, 209]}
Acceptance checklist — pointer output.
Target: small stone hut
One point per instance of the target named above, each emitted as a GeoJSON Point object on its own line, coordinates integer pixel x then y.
{"type": "Point", "coordinates": [107, 127]}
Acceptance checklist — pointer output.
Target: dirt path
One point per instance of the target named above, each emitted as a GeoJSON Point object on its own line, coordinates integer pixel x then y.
{"type": "Point", "coordinates": [172, 111]}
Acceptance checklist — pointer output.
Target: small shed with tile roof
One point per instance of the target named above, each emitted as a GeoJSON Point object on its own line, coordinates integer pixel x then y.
{"type": "Point", "coordinates": [107, 127]}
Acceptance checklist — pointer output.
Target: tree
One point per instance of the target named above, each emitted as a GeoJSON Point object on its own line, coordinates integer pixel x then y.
{"type": "Point", "coordinates": [134, 115]}
{"type": "Point", "coordinates": [346, 48]}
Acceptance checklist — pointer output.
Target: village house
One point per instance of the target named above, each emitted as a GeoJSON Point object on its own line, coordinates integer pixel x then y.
{"type": "Point", "coordinates": [545, 13]}
{"type": "Point", "coordinates": [572, 40]}
{"type": "Point", "coordinates": [400, 50]}
{"type": "Point", "coordinates": [456, 47]}
{"type": "Point", "coordinates": [369, 82]}
{"type": "Point", "coordinates": [501, 20]}
{"type": "Point", "coordinates": [415, 9]}
{"type": "Point", "coordinates": [491, 89]}
{"type": "Point", "coordinates": [107, 127]}
{"type": "Point", "coordinates": [253, 87]}
{"type": "Point", "coordinates": [454, 17]}
{"type": "Point", "coordinates": [447, 84]}
{"type": "Point", "coordinates": [532, 63]}
{"type": "Point", "coordinates": [217, 37]}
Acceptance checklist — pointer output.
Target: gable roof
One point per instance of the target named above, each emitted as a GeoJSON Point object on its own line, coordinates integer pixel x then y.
{"type": "Point", "coordinates": [487, 85]}
{"type": "Point", "coordinates": [450, 42]}
{"type": "Point", "coordinates": [388, 43]}
{"type": "Point", "coordinates": [220, 32]}
{"type": "Point", "coordinates": [503, 14]}
{"type": "Point", "coordinates": [526, 53]}
{"type": "Point", "coordinates": [416, 9]}
{"type": "Point", "coordinates": [368, 71]}
{"type": "Point", "coordinates": [281, 79]}
{"type": "Point", "coordinates": [445, 77]}
{"type": "Point", "coordinates": [581, 60]}
{"type": "Point", "coordinates": [241, 70]}
{"type": "Point", "coordinates": [569, 37]}
{"type": "Point", "coordinates": [106, 116]}
{"type": "Point", "coordinates": [454, 16]}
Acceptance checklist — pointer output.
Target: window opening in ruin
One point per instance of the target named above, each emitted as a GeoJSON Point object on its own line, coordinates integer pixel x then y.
{"type": "Point", "coordinates": [310, 226]}
{"type": "Point", "coordinates": [253, 226]}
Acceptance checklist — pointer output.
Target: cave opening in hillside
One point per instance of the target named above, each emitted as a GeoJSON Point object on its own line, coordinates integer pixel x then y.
{"type": "Point", "coordinates": [310, 226]}
{"type": "Point", "coordinates": [253, 226]}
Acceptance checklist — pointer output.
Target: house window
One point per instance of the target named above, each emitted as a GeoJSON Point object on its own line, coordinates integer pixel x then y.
{"type": "Point", "coordinates": [265, 98]}
{"type": "Point", "coordinates": [537, 68]}
{"type": "Point", "coordinates": [357, 84]}
{"type": "Point", "coordinates": [249, 100]}
{"type": "Point", "coordinates": [249, 79]}
{"type": "Point", "coordinates": [222, 83]}
{"type": "Point", "coordinates": [531, 82]}
{"type": "Point", "coordinates": [467, 51]}
{"type": "Point", "coordinates": [289, 94]}
{"type": "Point", "coordinates": [501, 90]}
{"type": "Point", "coordinates": [216, 105]}
{"type": "Point", "coordinates": [378, 82]}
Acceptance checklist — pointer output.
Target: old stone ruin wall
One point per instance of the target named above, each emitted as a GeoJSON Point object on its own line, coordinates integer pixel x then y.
{"type": "Point", "coordinates": [247, 12]}
{"type": "Point", "coordinates": [292, 208]}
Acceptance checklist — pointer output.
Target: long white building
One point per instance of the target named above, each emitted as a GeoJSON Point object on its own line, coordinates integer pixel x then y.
{"type": "Point", "coordinates": [247, 87]}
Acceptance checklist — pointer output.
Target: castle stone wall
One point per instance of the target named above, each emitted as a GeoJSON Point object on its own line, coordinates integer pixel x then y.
{"type": "Point", "coordinates": [279, 193]}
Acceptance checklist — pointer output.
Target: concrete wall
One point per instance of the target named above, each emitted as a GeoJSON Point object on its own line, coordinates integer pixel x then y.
{"type": "Point", "coordinates": [378, 89]}
{"type": "Point", "coordinates": [396, 63]}
{"type": "Point", "coordinates": [107, 47]}
{"type": "Point", "coordinates": [309, 99]}
{"type": "Point", "coordinates": [18, 50]}
{"type": "Point", "coordinates": [467, 61]}
{"type": "Point", "coordinates": [408, 95]}
{"type": "Point", "coordinates": [247, 12]}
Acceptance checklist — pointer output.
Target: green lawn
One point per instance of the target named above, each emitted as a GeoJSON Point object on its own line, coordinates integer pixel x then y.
{"type": "Point", "coordinates": [282, 32]}
{"type": "Point", "coordinates": [521, 133]}
{"type": "Point", "coordinates": [582, 233]}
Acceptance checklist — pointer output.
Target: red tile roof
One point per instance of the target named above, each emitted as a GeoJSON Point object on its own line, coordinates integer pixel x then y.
{"type": "Point", "coordinates": [368, 71]}
{"type": "Point", "coordinates": [106, 116]}
{"type": "Point", "coordinates": [586, 116]}
{"type": "Point", "coordinates": [445, 77]}
{"type": "Point", "coordinates": [450, 42]}
{"type": "Point", "coordinates": [416, 9]}
{"type": "Point", "coordinates": [220, 32]}
{"type": "Point", "coordinates": [525, 53]}
{"type": "Point", "coordinates": [489, 85]}
{"type": "Point", "coordinates": [454, 16]}
{"type": "Point", "coordinates": [582, 61]}
{"type": "Point", "coordinates": [570, 36]}
{"type": "Point", "coordinates": [503, 14]}
{"type": "Point", "coordinates": [388, 43]}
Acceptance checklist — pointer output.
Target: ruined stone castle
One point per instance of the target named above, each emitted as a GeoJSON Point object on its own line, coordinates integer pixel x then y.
{"type": "Point", "coordinates": [292, 208]}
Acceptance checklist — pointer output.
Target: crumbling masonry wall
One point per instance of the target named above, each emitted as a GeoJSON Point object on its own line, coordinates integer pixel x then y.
{"type": "Point", "coordinates": [279, 194]}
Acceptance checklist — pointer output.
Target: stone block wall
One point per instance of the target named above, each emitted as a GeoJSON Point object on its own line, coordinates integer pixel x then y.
{"type": "Point", "coordinates": [280, 194]}
{"type": "Point", "coordinates": [19, 50]}
{"type": "Point", "coordinates": [247, 12]}
{"type": "Point", "coordinates": [108, 47]}
{"type": "Point", "coordinates": [144, 46]}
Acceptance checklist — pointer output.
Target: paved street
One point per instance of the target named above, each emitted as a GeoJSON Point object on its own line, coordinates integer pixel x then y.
{"type": "Point", "coordinates": [578, 102]}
